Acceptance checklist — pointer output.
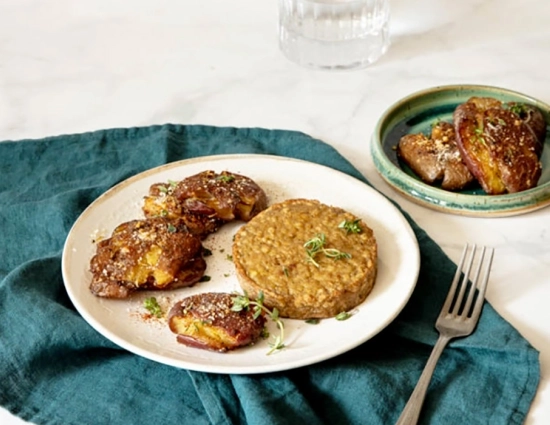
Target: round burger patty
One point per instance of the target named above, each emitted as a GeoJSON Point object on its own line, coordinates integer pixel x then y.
{"type": "Point", "coordinates": [310, 260]}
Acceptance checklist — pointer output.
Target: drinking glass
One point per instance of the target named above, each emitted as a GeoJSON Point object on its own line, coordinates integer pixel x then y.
{"type": "Point", "coordinates": [334, 34]}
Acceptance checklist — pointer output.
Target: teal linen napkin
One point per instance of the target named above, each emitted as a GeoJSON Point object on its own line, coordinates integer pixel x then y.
{"type": "Point", "coordinates": [55, 369]}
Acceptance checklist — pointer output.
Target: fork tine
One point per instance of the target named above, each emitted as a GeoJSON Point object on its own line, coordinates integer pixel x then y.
{"type": "Point", "coordinates": [473, 287]}
{"type": "Point", "coordinates": [452, 290]}
{"type": "Point", "coordinates": [465, 279]}
{"type": "Point", "coordinates": [483, 287]}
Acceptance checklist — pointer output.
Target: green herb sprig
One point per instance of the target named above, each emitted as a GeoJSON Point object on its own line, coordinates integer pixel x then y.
{"type": "Point", "coordinates": [167, 190]}
{"type": "Point", "coordinates": [316, 245]}
{"type": "Point", "coordinates": [153, 307]}
{"type": "Point", "coordinates": [518, 108]}
{"type": "Point", "coordinates": [478, 131]}
{"type": "Point", "coordinates": [344, 315]}
{"type": "Point", "coordinates": [350, 226]}
{"type": "Point", "coordinates": [243, 302]}
{"type": "Point", "coordinates": [225, 178]}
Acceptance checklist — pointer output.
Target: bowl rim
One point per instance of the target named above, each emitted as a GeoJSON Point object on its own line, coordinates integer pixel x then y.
{"type": "Point", "coordinates": [455, 202]}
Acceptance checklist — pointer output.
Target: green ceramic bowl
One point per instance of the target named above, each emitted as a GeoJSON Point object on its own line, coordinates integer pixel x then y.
{"type": "Point", "coordinates": [415, 114]}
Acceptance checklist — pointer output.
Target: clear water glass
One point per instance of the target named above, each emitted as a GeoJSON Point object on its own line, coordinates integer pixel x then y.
{"type": "Point", "coordinates": [334, 34]}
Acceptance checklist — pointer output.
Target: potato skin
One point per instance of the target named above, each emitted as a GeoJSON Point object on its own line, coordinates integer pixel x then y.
{"type": "Point", "coordinates": [206, 200]}
{"type": "Point", "coordinates": [436, 159]}
{"type": "Point", "coordinates": [532, 117]}
{"type": "Point", "coordinates": [498, 147]}
{"type": "Point", "coordinates": [206, 321]}
{"type": "Point", "coordinates": [150, 254]}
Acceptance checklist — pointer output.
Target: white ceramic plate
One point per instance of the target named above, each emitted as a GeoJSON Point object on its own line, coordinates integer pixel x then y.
{"type": "Point", "coordinates": [123, 321]}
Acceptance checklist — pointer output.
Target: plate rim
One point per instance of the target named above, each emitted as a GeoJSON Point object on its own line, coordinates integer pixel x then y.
{"type": "Point", "coordinates": [107, 333]}
{"type": "Point", "coordinates": [433, 197]}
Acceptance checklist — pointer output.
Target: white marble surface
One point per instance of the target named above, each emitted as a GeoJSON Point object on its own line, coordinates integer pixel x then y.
{"type": "Point", "coordinates": [69, 67]}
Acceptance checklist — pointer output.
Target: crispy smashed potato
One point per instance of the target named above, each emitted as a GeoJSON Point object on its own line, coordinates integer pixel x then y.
{"type": "Point", "coordinates": [206, 200]}
{"type": "Point", "coordinates": [207, 321]}
{"type": "Point", "coordinates": [155, 253]}
{"type": "Point", "coordinates": [497, 145]}
{"type": "Point", "coordinates": [436, 159]}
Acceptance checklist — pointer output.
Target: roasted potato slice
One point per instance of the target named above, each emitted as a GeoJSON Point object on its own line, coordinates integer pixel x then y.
{"type": "Point", "coordinates": [161, 203]}
{"type": "Point", "coordinates": [436, 159]}
{"type": "Point", "coordinates": [207, 321]}
{"type": "Point", "coordinates": [206, 200]}
{"type": "Point", "coordinates": [498, 147]}
{"type": "Point", "coordinates": [156, 253]}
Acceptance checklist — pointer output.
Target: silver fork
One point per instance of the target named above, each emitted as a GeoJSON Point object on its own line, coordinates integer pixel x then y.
{"type": "Point", "coordinates": [456, 319]}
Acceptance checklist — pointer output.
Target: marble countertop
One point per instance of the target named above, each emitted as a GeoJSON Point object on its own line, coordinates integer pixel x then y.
{"type": "Point", "coordinates": [69, 67]}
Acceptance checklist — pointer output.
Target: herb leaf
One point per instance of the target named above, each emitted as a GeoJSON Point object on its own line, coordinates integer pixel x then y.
{"type": "Point", "coordinates": [316, 245]}
{"type": "Point", "coordinates": [243, 302]}
{"type": "Point", "coordinates": [152, 306]}
{"type": "Point", "coordinates": [225, 178]}
{"type": "Point", "coordinates": [350, 226]}
{"type": "Point", "coordinates": [344, 315]}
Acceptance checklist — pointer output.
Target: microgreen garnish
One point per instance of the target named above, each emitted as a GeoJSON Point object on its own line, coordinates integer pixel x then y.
{"type": "Point", "coordinates": [152, 306]}
{"type": "Point", "coordinates": [243, 302]}
{"type": "Point", "coordinates": [285, 271]}
{"type": "Point", "coordinates": [313, 321]}
{"type": "Point", "coordinates": [229, 257]}
{"type": "Point", "coordinates": [344, 315]}
{"type": "Point", "coordinates": [350, 226]}
{"type": "Point", "coordinates": [479, 134]}
{"type": "Point", "coordinates": [163, 213]}
{"type": "Point", "coordinates": [205, 278]}
{"type": "Point", "coordinates": [316, 245]}
{"type": "Point", "coordinates": [166, 189]}
{"type": "Point", "coordinates": [518, 109]}
{"type": "Point", "coordinates": [206, 252]}
{"type": "Point", "coordinates": [225, 178]}
{"type": "Point", "coordinates": [172, 228]}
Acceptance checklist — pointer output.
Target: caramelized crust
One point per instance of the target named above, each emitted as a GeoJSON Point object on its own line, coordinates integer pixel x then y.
{"type": "Point", "coordinates": [532, 117]}
{"type": "Point", "coordinates": [206, 321]}
{"type": "Point", "coordinates": [206, 200]}
{"type": "Point", "coordinates": [499, 148]}
{"type": "Point", "coordinates": [226, 195]}
{"type": "Point", "coordinates": [162, 203]}
{"type": "Point", "coordinates": [153, 253]}
{"type": "Point", "coordinates": [436, 159]}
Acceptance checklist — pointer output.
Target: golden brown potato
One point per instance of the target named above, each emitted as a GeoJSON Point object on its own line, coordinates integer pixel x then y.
{"type": "Point", "coordinates": [498, 147]}
{"type": "Point", "coordinates": [226, 195]}
{"type": "Point", "coordinates": [436, 159]}
{"type": "Point", "coordinates": [162, 203]}
{"type": "Point", "coordinates": [206, 200]}
{"type": "Point", "coordinates": [153, 253]}
{"type": "Point", "coordinates": [207, 321]}
{"type": "Point", "coordinates": [533, 118]}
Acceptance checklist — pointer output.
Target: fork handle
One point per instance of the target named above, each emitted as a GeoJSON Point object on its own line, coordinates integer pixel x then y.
{"type": "Point", "coordinates": [411, 412]}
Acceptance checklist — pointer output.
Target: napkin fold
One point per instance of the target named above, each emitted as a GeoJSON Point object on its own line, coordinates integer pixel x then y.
{"type": "Point", "coordinates": [56, 369]}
